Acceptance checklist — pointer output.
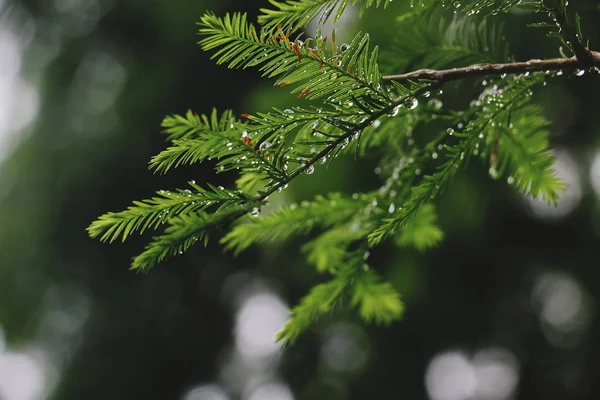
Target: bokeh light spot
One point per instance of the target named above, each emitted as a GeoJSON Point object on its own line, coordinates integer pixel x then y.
{"type": "Point", "coordinates": [450, 376]}
{"type": "Point", "coordinates": [258, 320]}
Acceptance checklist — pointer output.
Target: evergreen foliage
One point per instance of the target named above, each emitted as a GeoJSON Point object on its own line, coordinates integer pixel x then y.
{"type": "Point", "coordinates": [354, 108]}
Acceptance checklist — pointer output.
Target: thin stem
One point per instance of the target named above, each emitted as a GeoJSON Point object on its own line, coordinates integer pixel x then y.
{"type": "Point", "coordinates": [482, 70]}
{"type": "Point", "coordinates": [337, 142]}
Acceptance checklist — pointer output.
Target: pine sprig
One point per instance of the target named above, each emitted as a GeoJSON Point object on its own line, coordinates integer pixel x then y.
{"type": "Point", "coordinates": [292, 220]}
{"type": "Point", "coordinates": [335, 75]}
{"type": "Point", "coordinates": [328, 251]}
{"type": "Point", "coordinates": [319, 301]}
{"type": "Point", "coordinates": [191, 125]}
{"type": "Point", "coordinates": [295, 14]}
{"type": "Point", "coordinates": [226, 142]}
{"type": "Point", "coordinates": [375, 300]}
{"type": "Point", "coordinates": [494, 106]}
{"type": "Point", "coordinates": [486, 7]}
{"type": "Point", "coordinates": [524, 157]}
{"type": "Point", "coordinates": [183, 232]}
{"type": "Point", "coordinates": [377, 115]}
{"type": "Point", "coordinates": [421, 231]}
{"type": "Point", "coordinates": [156, 211]}
{"type": "Point", "coordinates": [443, 42]}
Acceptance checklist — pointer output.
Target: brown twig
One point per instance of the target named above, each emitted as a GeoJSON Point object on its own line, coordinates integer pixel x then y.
{"type": "Point", "coordinates": [447, 75]}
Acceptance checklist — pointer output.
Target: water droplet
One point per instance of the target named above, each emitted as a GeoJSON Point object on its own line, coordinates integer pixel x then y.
{"type": "Point", "coordinates": [344, 47]}
{"type": "Point", "coordinates": [366, 255]}
{"type": "Point", "coordinates": [310, 169]}
{"type": "Point", "coordinates": [376, 123]}
{"type": "Point", "coordinates": [323, 160]}
{"type": "Point", "coordinates": [392, 208]}
{"type": "Point", "coordinates": [435, 104]}
{"type": "Point", "coordinates": [264, 146]}
{"type": "Point", "coordinates": [579, 72]}
{"type": "Point", "coordinates": [510, 180]}
{"type": "Point", "coordinates": [434, 155]}
{"type": "Point", "coordinates": [255, 212]}
{"type": "Point", "coordinates": [288, 111]}
{"type": "Point", "coordinates": [412, 103]}
{"type": "Point", "coordinates": [493, 173]}
{"type": "Point", "coordinates": [395, 111]}
{"type": "Point", "coordinates": [450, 131]}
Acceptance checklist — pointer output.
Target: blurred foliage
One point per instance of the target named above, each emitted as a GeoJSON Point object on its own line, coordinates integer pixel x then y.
{"type": "Point", "coordinates": [107, 72]}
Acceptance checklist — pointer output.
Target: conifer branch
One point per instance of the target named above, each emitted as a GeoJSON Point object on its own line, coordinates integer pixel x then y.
{"type": "Point", "coordinates": [484, 70]}
{"type": "Point", "coordinates": [358, 105]}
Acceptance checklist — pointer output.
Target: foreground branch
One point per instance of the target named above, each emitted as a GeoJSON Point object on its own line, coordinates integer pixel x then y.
{"type": "Point", "coordinates": [447, 75]}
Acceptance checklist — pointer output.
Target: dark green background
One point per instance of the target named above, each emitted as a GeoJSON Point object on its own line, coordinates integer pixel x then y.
{"type": "Point", "coordinates": [156, 335]}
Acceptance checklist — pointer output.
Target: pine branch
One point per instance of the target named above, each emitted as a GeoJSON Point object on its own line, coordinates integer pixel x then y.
{"type": "Point", "coordinates": [356, 104]}
{"type": "Point", "coordinates": [505, 101]}
{"type": "Point", "coordinates": [335, 75]}
{"type": "Point", "coordinates": [484, 70]}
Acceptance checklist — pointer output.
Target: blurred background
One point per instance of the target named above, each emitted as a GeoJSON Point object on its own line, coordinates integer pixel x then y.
{"type": "Point", "coordinates": [505, 308]}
